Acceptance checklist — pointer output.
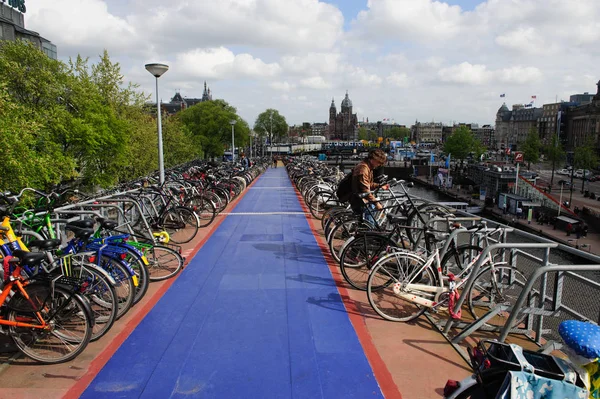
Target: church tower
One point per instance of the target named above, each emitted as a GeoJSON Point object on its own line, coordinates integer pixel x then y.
{"type": "Point", "coordinates": [206, 96]}
{"type": "Point", "coordinates": [332, 115]}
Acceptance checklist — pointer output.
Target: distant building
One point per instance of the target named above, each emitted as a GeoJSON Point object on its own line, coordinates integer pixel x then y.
{"type": "Point", "coordinates": [548, 124]}
{"type": "Point", "coordinates": [342, 126]}
{"type": "Point", "coordinates": [581, 99]}
{"type": "Point", "coordinates": [429, 132]}
{"type": "Point", "coordinates": [320, 129]}
{"type": "Point", "coordinates": [512, 127]}
{"type": "Point", "coordinates": [485, 134]}
{"type": "Point", "coordinates": [179, 103]}
{"type": "Point", "coordinates": [583, 123]}
{"type": "Point", "coordinates": [12, 27]}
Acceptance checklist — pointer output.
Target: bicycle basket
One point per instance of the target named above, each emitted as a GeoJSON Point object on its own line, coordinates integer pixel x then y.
{"type": "Point", "coordinates": [501, 356]}
{"type": "Point", "coordinates": [38, 293]}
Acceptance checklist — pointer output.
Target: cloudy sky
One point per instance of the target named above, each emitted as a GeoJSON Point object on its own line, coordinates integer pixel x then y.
{"type": "Point", "coordinates": [402, 60]}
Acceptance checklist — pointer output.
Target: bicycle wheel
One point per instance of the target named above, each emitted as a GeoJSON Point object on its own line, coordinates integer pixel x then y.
{"type": "Point", "coordinates": [181, 223]}
{"type": "Point", "coordinates": [387, 282]}
{"type": "Point", "coordinates": [204, 208]}
{"type": "Point", "coordinates": [455, 259]}
{"type": "Point", "coordinates": [339, 235]}
{"type": "Point", "coordinates": [101, 295]}
{"type": "Point", "coordinates": [496, 285]}
{"type": "Point", "coordinates": [164, 262]}
{"type": "Point", "coordinates": [69, 332]}
{"type": "Point", "coordinates": [124, 286]}
{"type": "Point", "coordinates": [141, 271]}
{"type": "Point", "coordinates": [359, 256]}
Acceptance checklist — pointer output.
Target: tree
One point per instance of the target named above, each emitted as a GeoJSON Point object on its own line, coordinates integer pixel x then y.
{"type": "Point", "coordinates": [531, 148]}
{"type": "Point", "coordinates": [209, 128]}
{"type": "Point", "coordinates": [555, 153]}
{"type": "Point", "coordinates": [272, 123]}
{"type": "Point", "coordinates": [585, 158]}
{"type": "Point", "coordinates": [461, 143]}
{"type": "Point", "coordinates": [399, 132]}
{"type": "Point", "coordinates": [363, 133]}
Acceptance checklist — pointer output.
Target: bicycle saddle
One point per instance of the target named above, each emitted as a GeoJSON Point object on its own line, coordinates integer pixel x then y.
{"type": "Point", "coordinates": [84, 223]}
{"type": "Point", "coordinates": [29, 258]}
{"type": "Point", "coordinates": [107, 224]}
{"type": "Point", "coordinates": [45, 244]}
{"type": "Point", "coordinates": [80, 232]}
{"type": "Point", "coordinates": [583, 337]}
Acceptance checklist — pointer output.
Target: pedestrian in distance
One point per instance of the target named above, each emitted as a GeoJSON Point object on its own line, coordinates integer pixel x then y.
{"type": "Point", "coordinates": [244, 161]}
{"type": "Point", "coordinates": [569, 229]}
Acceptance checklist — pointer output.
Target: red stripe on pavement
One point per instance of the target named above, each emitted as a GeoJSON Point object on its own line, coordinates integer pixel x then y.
{"type": "Point", "coordinates": [382, 374]}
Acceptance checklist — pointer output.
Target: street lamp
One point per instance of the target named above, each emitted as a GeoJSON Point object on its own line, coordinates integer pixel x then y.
{"type": "Point", "coordinates": [232, 122]}
{"type": "Point", "coordinates": [251, 133]}
{"type": "Point", "coordinates": [157, 70]}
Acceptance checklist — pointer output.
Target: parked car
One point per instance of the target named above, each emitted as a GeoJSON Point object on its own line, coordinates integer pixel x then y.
{"type": "Point", "coordinates": [565, 183]}
{"type": "Point", "coordinates": [580, 173]}
{"type": "Point", "coordinates": [563, 172]}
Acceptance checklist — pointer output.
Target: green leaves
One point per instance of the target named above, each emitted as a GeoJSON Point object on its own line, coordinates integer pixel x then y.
{"type": "Point", "coordinates": [64, 121]}
{"type": "Point", "coordinates": [209, 128]}
{"type": "Point", "coordinates": [271, 124]}
{"type": "Point", "coordinates": [462, 142]}
{"type": "Point", "coordinates": [531, 147]}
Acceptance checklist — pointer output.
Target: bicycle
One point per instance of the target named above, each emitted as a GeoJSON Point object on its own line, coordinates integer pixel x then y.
{"type": "Point", "coordinates": [47, 320]}
{"type": "Point", "coordinates": [403, 285]}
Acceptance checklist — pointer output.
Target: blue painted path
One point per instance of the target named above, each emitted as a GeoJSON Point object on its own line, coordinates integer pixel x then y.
{"type": "Point", "coordinates": [256, 314]}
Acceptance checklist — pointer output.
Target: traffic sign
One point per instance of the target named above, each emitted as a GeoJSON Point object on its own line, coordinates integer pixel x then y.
{"type": "Point", "coordinates": [518, 157]}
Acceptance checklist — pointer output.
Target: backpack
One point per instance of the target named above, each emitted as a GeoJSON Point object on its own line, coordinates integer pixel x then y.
{"type": "Point", "coordinates": [344, 189]}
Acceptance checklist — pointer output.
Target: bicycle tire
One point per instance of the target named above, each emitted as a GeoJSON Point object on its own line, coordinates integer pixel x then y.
{"type": "Point", "coordinates": [100, 294]}
{"type": "Point", "coordinates": [204, 208]}
{"type": "Point", "coordinates": [181, 223]}
{"type": "Point", "coordinates": [396, 269]}
{"type": "Point", "coordinates": [454, 259]}
{"type": "Point", "coordinates": [124, 286]}
{"type": "Point", "coordinates": [72, 320]}
{"type": "Point", "coordinates": [164, 262]}
{"type": "Point", "coordinates": [141, 271]}
{"type": "Point", "coordinates": [359, 256]}
{"type": "Point", "coordinates": [486, 293]}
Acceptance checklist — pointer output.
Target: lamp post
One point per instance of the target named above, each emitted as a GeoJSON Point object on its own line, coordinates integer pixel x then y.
{"type": "Point", "coordinates": [157, 70]}
{"type": "Point", "coordinates": [251, 133]}
{"type": "Point", "coordinates": [232, 122]}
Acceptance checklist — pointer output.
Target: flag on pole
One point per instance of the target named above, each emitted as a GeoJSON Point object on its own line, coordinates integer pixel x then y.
{"type": "Point", "coordinates": [534, 97]}
{"type": "Point", "coordinates": [448, 161]}
{"type": "Point", "coordinates": [503, 95]}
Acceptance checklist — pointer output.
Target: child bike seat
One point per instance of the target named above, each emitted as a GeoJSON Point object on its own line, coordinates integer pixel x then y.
{"type": "Point", "coordinates": [582, 337]}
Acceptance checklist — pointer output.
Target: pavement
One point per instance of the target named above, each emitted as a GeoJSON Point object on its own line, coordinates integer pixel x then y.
{"type": "Point", "coordinates": [260, 311]}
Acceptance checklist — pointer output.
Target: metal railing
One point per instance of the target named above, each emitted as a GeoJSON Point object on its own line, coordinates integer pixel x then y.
{"type": "Point", "coordinates": [561, 283]}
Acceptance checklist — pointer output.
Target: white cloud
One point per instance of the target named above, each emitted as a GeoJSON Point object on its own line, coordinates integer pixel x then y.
{"type": "Point", "coordinates": [399, 79]}
{"type": "Point", "coordinates": [311, 63]}
{"type": "Point", "coordinates": [315, 82]}
{"type": "Point", "coordinates": [86, 26]}
{"type": "Point", "coordinates": [355, 77]}
{"type": "Point", "coordinates": [519, 75]}
{"type": "Point", "coordinates": [221, 63]}
{"type": "Point", "coordinates": [404, 20]}
{"type": "Point", "coordinates": [282, 86]}
{"type": "Point", "coordinates": [465, 73]}
{"type": "Point", "coordinates": [251, 52]}
{"type": "Point", "coordinates": [527, 41]}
